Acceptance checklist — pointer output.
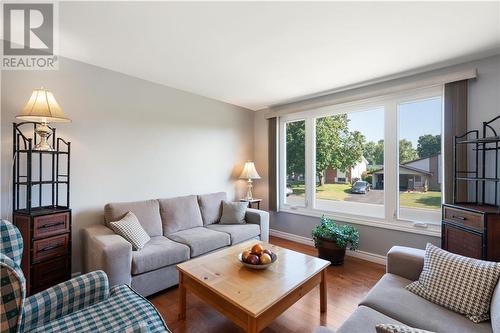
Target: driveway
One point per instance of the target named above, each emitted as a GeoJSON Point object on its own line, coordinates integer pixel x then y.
{"type": "Point", "coordinates": [374, 197]}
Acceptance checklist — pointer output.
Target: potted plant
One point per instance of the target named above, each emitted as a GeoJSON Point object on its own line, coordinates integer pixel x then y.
{"type": "Point", "coordinates": [331, 239]}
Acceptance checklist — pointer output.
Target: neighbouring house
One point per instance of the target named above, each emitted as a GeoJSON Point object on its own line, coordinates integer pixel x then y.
{"type": "Point", "coordinates": [337, 176]}
{"type": "Point", "coordinates": [417, 175]}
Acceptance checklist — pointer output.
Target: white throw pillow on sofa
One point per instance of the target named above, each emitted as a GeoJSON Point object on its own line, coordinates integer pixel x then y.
{"type": "Point", "coordinates": [461, 284]}
{"type": "Point", "coordinates": [131, 229]}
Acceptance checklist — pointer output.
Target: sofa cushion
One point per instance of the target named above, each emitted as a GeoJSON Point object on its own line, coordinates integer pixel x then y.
{"type": "Point", "coordinates": [201, 240]}
{"type": "Point", "coordinates": [238, 232]}
{"type": "Point", "coordinates": [147, 212]}
{"type": "Point", "coordinates": [461, 284]}
{"type": "Point", "coordinates": [211, 206]}
{"type": "Point", "coordinates": [157, 253]}
{"type": "Point", "coordinates": [123, 307]}
{"type": "Point", "coordinates": [130, 228]}
{"type": "Point", "coordinates": [233, 212]}
{"type": "Point", "coordinates": [180, 213]}
{"type": "Point", "coordinates": [390, 297]}
{"type": "Point", "coordinates": [364, 320]}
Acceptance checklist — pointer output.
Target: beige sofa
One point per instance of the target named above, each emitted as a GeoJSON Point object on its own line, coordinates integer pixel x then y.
{"type": "Point", "coordinates": [390, 303]}
{"type": "Point", "coordinates": [180, 228]}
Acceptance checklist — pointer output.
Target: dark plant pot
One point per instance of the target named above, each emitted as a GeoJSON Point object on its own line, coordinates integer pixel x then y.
{"type": "Point", "coordinates": [329, 250]}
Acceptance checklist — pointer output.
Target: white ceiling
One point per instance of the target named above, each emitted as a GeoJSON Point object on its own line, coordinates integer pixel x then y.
{"type": "Point", "coordinates": [260, 54]}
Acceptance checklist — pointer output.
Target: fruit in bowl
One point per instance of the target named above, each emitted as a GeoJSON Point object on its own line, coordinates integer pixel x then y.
{"type": "Point", "coordinates": [265, 259]}
{"type": "Point", "coordinates": [257, 249]}
{"type": "Point", "coordinates": [257, 257]}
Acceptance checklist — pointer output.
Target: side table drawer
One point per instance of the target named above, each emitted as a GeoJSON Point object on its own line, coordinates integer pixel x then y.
{"type": "Point", "coordinates": [48, 225]}
{"type": "Point", "coordinates": [50, 247]}
{"type": "Point", "coordinates": [49, 273]}
{"type": "Point", "coordinates": [464, 218]}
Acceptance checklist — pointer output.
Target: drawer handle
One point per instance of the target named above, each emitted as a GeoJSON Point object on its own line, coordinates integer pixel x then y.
{"type": "Point", "coordinates": [48, 248]}
{"type": "Point", "coordinates": [50, 225]}
{"type": "Point", "coordinates": [459, 218]}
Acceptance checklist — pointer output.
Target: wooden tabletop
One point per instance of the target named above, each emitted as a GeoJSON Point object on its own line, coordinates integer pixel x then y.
{"type": "Point", "coordinates": [254, 291]}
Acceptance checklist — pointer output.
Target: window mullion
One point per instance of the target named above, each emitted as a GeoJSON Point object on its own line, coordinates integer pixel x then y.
{"type": "Point", "coordinates": [310, 161]}
{"type": "Point", "coordinates": [391, 161]}
{"type": "Point", "coordinates": [282, 164]}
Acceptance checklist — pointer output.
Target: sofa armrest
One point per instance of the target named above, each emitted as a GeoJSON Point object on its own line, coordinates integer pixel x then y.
{"type": "Point", "coordinates": [104, 250]}
{"type": "Point", "coordinates": [64, 298]}
{"type": "Point", "coordinates": [405, 261]}
{"type": "Point", "coordinates": [261, 218]}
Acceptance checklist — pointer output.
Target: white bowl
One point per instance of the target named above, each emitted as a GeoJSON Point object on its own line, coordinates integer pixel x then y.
{"type": "Point", "coordinates": [273, 259]}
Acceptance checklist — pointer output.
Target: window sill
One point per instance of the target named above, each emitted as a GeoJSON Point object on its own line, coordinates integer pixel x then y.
{"type": "Point", "coordinates": [428, 229]}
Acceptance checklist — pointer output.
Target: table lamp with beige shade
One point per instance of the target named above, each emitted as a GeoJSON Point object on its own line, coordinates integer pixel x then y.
{"type": "Point", "coordinates": [249, 173]}
{"type": "Point", "coordinates": [43, 109]}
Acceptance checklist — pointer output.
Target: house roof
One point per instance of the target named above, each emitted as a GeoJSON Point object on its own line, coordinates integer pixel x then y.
{"type": "Point", "coordinates": [422, 158]}
{"type": "Point", "coordinates": [406, 166]}
{"type": "Point", "coordinates": [415, 169]}
{"type": "Point", "coordinates": [402, 166]}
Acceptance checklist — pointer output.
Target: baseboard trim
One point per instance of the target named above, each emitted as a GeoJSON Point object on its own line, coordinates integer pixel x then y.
{"type": "Point", "coordinates": [291, 237]}
{"type": "Point", "coordinates": [368, 256]}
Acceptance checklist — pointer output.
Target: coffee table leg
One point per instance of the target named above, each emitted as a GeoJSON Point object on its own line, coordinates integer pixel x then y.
{"type": "Point", "coordinates": [322, 292]}
{"type": "Point", "coordinates": [182, 297]}
{"type": "Point", "coordinates": [252, 325]}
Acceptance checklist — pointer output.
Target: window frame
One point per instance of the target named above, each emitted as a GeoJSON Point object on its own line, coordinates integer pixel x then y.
{"type": "Point", "coordinates": [391, 157]}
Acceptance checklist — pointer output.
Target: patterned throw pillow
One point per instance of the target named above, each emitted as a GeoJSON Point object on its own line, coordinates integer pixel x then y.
{"type": "Point", "coordinates": [130, 229]}
{"type": "Point", "coordinates": [390, 328]}
{"type": "Point", "coordinates": [458, 283]}
{"type": "Point", "coordinates": [233, 212]}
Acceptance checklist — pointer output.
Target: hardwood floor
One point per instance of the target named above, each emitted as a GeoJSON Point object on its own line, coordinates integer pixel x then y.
{"type": "Point", "coordinates": [346, 286]}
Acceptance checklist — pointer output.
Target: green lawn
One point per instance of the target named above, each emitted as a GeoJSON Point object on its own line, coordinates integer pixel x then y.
{"type": "Point", "coordinates": [429, 200]}
{"type": "Point", "coordinates": [327, 191]}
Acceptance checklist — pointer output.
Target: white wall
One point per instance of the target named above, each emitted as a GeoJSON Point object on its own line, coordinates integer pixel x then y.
{"type": "Point", "coordinates": [484, 104]}
{"type": "Point", "coordinates": [131, 139]}
{"type": "Point", "coordinates": [261, 144]}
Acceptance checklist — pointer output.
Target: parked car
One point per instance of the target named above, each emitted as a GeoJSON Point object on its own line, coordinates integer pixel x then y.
{"type": "Point", "coordinates": [288, 191]}
{"type": "Point", "coordinates": [361, 187]}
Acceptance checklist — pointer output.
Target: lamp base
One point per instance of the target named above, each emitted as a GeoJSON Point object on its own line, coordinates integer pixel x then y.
{"type": "Point", "coordinates": [249, 190]}
{"type": "Point", "coordinates": [44, 132]}
{"type": "Point", "coordinates": [43, 146]}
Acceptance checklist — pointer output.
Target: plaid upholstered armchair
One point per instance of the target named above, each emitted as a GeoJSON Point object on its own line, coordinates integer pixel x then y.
{"type": "Point", "coordinates": [82, 304]}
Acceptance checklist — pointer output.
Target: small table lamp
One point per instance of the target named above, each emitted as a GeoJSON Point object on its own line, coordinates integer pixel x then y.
{"type": "Point", "coordinates": [42, 108]}
{"type": "Point", "coordinates": [249, 173]}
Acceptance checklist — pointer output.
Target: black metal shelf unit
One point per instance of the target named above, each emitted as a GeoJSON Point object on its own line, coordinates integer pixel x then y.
{"type": "Point", "coordinates": [485, 148]}
{"type": "Point", "coordinates": [32, 179]}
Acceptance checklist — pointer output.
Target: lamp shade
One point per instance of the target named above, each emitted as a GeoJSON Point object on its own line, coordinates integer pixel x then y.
{"type": "Point", "coordinates": [249, 171]}
{"type": "Point", "coordinates": [43, 107]}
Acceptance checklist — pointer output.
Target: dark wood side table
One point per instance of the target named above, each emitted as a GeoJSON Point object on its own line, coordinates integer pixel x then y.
{"type": "Point", "coordinates": [47, 247]}
{"type": "Point", "coordinates": [471, 230]}
{"type": "Point", "coordinates": [251, 202]}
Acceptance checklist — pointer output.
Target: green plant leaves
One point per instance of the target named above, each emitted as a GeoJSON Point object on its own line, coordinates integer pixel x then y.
{"type": "Point", "coordinates": [341, 234]}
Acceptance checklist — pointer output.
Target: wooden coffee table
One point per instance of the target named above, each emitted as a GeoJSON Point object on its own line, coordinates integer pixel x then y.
{"type": "Point", "coordinates": [252, 299]}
